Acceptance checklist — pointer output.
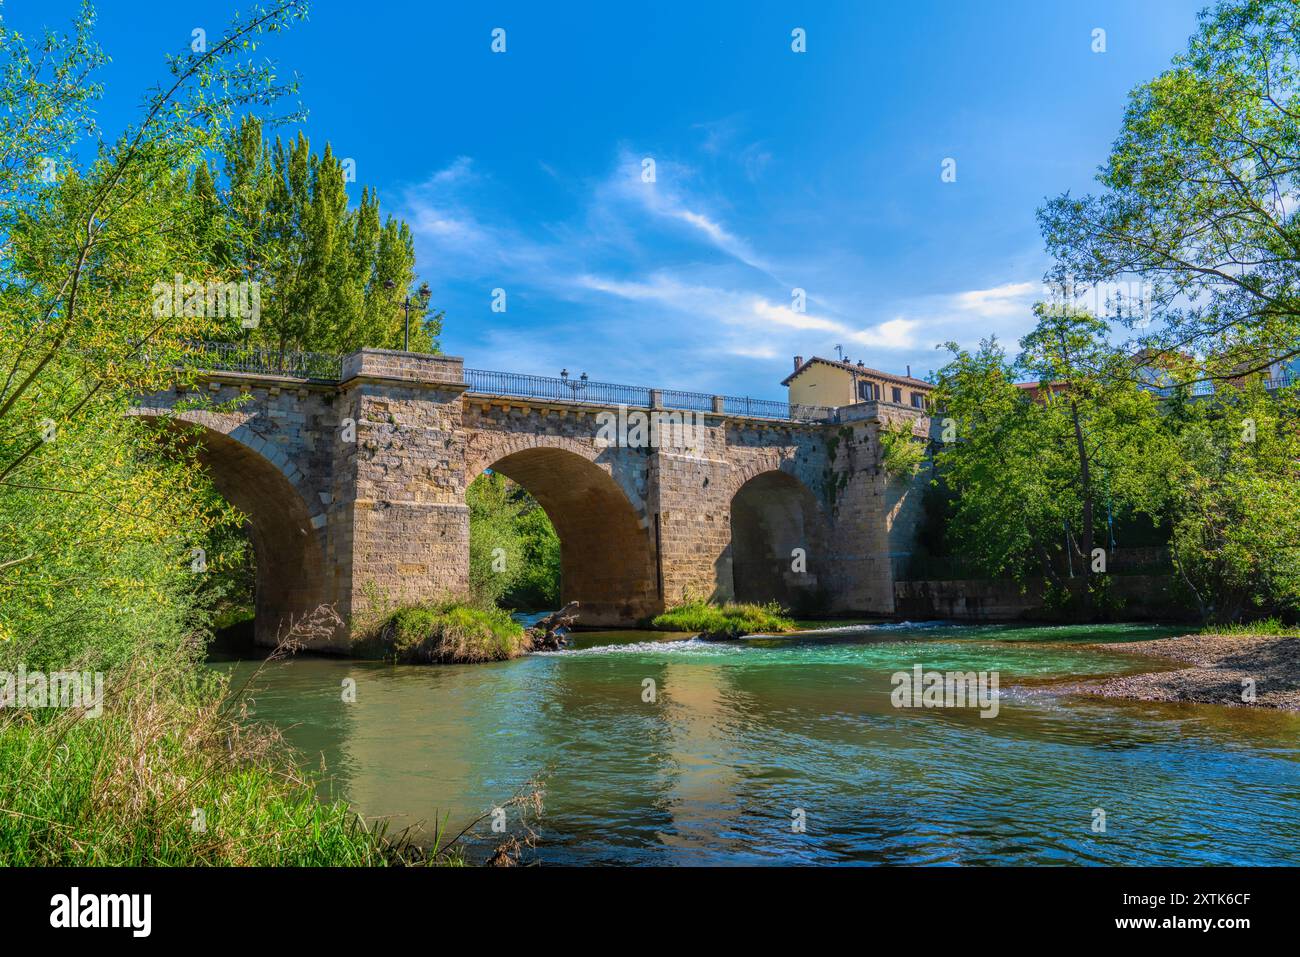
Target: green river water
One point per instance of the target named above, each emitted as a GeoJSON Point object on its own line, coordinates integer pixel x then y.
{"type": "Point", "coordinates": [742, 735]}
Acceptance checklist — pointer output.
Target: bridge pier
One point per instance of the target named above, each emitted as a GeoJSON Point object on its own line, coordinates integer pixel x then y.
{"type": "Point", "coordinates": [400, 522]}
{"type": "Point", "coordinates": [690, 505]}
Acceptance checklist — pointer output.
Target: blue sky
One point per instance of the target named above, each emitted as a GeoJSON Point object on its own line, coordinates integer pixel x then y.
{"type": "Point", "coordinates": [774, 170]}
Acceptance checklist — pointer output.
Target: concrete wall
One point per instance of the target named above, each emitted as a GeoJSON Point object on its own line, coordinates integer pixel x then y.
{"type": "Point", "coordinates": [1145, 597]}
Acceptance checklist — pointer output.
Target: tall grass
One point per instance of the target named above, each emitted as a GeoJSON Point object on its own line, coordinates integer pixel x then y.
{"type": "Point", "coordinates": [1269, 626]}
{"type": "Point", "coordinates": [730, 620]}
{"type": "Point", "coordinates": [447, 632]}
{"type": "Point", "coordinates": [169, 773]}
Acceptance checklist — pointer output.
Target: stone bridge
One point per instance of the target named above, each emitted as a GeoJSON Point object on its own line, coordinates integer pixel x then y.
{"type": "Point", "coordinates": [354, 488]}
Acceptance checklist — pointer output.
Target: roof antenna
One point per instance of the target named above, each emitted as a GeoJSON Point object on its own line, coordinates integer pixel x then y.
{"type": "Point", "coordinates": [840, 350]}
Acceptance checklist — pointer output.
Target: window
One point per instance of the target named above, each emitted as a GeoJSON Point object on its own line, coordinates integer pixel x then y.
{"type": "Point", "coordinates": [868, 391]}
{"type": "Point", "coordinates": [918, 400]}
{"type": "Point", "coordinates": [898, 396]}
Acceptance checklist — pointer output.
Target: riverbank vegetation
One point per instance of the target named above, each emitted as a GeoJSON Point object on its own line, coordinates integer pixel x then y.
{"type": "Point", "coordinates": [168, 774]}
{"type": "Point", "coordinates": [514, 553]}
{"type": "Point", "coordinates": [447, 633]}
{"type": "Point", "coordinates": [1176, 409]}
{"type": "Point", "coordinates": [107, 521]}
{"type": "Point", "coordinates": [724, 621]}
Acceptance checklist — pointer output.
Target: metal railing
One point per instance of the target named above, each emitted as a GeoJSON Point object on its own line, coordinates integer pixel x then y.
{"type": "Point", "coordinates": [1205, 388]}
{"type": "Point", "coordinates": [687, 401]}
{"type": "Point", "coordinates": [773, 409]}
{"type": "Point", "coordinates": [1197, 389]}
{"type": "Point", "coordinates": [232, 357]}
{"type": "Point", "coordinates": [517, 385]}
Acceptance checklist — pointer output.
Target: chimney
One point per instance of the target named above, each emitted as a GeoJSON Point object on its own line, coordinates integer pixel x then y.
{"type": "Point", "coordinates": [909, 371]}
{"type": "Point", "coordinates": [798, 361]}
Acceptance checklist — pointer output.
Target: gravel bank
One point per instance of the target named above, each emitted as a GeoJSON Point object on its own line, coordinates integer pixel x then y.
{"type": "Point", "coordinates": [1219, 664]}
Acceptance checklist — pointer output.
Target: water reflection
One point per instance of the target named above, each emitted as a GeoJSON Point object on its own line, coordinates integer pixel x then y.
{"type": "Point", "coordinates": [741, 735]}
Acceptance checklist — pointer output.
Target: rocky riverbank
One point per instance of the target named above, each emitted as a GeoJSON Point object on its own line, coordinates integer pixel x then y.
{"type": "Point", "coordinates": [1218, 670]}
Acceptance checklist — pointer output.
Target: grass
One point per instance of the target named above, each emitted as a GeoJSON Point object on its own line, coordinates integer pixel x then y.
{"type": "Point", "coordinates": [730, 620]}
{"type": "Point", "coordinates": [1267, 626]}
{"type": "Point", "coordinates": [169, 774]}
{"type": "Point", "coordinates": [445, 633]}
{"type": "Point", "coordinates": [172, 772]}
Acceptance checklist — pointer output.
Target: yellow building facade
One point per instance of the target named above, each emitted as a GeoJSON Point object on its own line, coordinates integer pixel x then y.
{"type": "Point", "coordinates": [830, 382]}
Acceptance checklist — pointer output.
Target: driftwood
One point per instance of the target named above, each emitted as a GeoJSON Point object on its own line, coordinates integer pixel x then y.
{"type": "Point", "coordinates": [548, 633]}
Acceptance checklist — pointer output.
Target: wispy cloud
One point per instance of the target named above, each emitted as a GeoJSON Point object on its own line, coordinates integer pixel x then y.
{"type": "Point", "coordinates": [1009, 299]}
{"type": "Point", "coordinates": [654, 273]}
{"type": "Point", "coordinates": [669, 198]}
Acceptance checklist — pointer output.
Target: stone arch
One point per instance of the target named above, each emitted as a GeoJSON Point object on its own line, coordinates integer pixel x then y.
{"type": "Point", "coordinates": [287, 537]}
{"type": "Point", "coordinates": [626, 467]}
{"type": "Point", "coordinates": [607, 552]}
{"type": "Point", "coordinates": [772, 514]}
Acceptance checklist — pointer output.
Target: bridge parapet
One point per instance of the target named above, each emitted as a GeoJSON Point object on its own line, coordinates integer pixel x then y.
{"type": "Point", "coordinates": [389, 364]}
{"type": "Point", "coordinates": [414, 367]}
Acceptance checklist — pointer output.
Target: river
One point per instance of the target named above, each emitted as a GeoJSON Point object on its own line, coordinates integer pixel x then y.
{"type": "Point", "coordinates": [741, 737]}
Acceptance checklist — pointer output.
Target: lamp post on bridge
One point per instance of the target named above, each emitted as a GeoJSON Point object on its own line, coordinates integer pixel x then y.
{"type": "Point", "coordinates": [576, 386]}
{"type": "Point", "coordinates": [423, 294]}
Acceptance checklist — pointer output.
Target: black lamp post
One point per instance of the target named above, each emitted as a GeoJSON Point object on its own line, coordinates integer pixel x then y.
{"type": "Point", "coordinates": [576, 387]}
{"type": "Point", "coordinates": [423, 293]}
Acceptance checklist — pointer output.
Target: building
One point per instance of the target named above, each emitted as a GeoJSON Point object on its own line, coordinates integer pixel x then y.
{"type": "Point", "coordinates": [1037, 390]}
{"type": "Point", "coordinates": [834, 383]}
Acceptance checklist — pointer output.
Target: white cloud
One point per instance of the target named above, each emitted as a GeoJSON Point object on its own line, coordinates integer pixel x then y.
{"type": "Point", "coordinates": [1009, 299]}
{"type": "Point", "coordinates": [459, 170]}
{"type": "Point", "coordinates": [658, 264]}
{"type": "Point", "coordinates": [894, 334]}
{"type": "Point", "coordinates": [669, 198]}
{"type": "Point", "coordinates": [771, 313]}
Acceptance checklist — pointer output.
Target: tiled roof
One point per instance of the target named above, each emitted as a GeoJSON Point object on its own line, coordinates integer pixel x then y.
{"type": "Point", "coordinates": [861, 370]}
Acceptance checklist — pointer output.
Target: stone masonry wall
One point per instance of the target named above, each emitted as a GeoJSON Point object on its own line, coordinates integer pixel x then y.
{"type": "Point", "coordinates": [356, 492]}
{"type": "Point", "coordinates": [400, 484]}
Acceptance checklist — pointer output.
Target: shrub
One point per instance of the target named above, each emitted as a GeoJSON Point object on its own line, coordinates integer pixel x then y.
{"type": "Point", "coordinates": [446, 633]}
{"type": "Point", "coordinates": [901, 453]}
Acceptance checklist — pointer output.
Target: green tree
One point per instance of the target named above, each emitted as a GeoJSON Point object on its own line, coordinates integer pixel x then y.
{"type": "Point", "coordinates": [514, 553]}
{"type": "Point", "coordinates": [538, 584]}
{"type": "Point", "coordinates": [495, 553]}
{"type": "Point", "coordinates": [1236, 542]}
{"type": "Point", "coordinates": [1199, 196]}
{"type": "Point", "coordinates": [1038, 480]}
{"type": "Point", "coordinates": [1000, 520]}
{"type": "Point", "coordinates": [100, 516]}
{"type": "Point", "coordinates": [333, 279]}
